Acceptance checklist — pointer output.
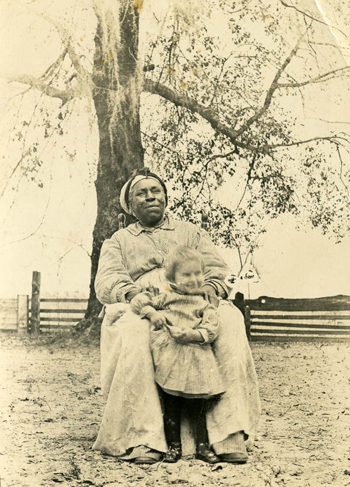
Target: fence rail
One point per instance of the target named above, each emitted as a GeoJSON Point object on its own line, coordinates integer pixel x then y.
{"type": "Point", "coordinates": [61, 314]}
{"type": "Point", "coordinates": [299, 319]}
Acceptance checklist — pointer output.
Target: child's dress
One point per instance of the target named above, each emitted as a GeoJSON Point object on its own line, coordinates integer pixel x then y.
{"type": "Point", "coordinates": [183, 369]}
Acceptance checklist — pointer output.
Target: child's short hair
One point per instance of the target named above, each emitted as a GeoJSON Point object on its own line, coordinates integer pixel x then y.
{"type": "Point", "coordinates": [178, 256]}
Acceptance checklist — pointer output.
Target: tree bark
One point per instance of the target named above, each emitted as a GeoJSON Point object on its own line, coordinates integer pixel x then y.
{"type": "Point", "coordinates": [120, 147]}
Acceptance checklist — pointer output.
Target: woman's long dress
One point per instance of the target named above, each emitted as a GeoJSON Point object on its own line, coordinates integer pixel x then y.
{"type": "Point", "coordinates": [132, 414]}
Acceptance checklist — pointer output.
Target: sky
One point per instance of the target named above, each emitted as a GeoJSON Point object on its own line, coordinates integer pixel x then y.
{"type": "Point", "coordinates": [49, 228]}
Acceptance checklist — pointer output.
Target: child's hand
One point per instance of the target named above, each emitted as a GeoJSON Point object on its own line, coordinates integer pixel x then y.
{"type": "Point", "coordinates": [157, 319]}
{"type": "Point", "coordinates": [179, 334]}
{"type": "Point", "coordinates": [185, 335]}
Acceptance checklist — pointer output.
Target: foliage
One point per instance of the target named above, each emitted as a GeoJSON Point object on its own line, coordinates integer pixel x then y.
{"type": "Point", "coordinates": [246, 84]}
{"type": "Point", "coordinates": [226, 90]}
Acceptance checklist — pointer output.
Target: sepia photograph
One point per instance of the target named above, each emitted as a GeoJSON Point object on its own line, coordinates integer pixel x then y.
{"type": "Point", "coordinates": [175, 243]}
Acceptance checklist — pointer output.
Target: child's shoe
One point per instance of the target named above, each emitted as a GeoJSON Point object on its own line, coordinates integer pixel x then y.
{"type": "Point", "coordinates": [174, 453]}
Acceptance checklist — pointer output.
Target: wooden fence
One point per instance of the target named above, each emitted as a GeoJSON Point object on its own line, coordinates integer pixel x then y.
{"type": "Point", "coordinates": [298, 319]}
{"type": "Point", "coordinates": [37, 314]}
{"type": "Point", "coordinates": [265, 318]}
{"type": "Point", "coordinates": [14, 314]}
{"type": "Point", "coordinates": [53, 314]}
{"type": "Point", "coordinates": [60, 314]}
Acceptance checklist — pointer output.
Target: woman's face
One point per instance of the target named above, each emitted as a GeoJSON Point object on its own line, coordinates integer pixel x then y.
{"type": "Point", "coordinates": [147, 200]}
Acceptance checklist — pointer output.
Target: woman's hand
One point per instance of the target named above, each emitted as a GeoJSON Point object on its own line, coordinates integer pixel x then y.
{"type": "Point", "coordinates": [209, 294]}
{"type": "Point", "coordinates": [154, 291]}
{"type": "Point", "coordinates": [157, 319]}
{"type": "Point", "coordinates": [131, 294]}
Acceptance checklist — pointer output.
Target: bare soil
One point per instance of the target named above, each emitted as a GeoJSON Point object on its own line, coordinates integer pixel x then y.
{"type": "Point", "coordinates": [51, 406]}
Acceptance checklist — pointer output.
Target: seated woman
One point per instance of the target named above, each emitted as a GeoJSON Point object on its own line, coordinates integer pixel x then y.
{"type": "Point", "coordinates": [131, 262]}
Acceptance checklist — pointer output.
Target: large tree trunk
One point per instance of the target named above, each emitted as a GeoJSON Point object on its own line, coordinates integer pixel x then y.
{"type": "Point", "coordinates": [117, 101]}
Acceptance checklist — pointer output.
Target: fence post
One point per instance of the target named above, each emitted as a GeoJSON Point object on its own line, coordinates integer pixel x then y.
{"type": "Point", "coordinates": [22, 313]}
{"type": "Point", "coordinates": [35, 307]}
{"type": "Point", "coordinates": [247, 322]}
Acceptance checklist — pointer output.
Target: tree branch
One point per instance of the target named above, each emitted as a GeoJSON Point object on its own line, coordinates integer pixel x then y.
{"type": "Point", "coordinates": [23, 156]}
{"type": "Point", "coordinates": [185, 101]}
{"type": "Point", "coordinates": [334, 139]}
{"type": "Point", "coordinates": [341, 171]}
{"type": "Point", "coordinates": [65, 38]}
{"type": "Point", "coordinates": [270, 92]}
{"type": "Point", "coordinates": [329, 44]}
{"type": "Point", "coordinates": [249, 174]}
{"type": "Point", "coordinates": [309, 16]}
{"type": "Point", "coordinates": [51, 69]}
{"type": "Point", "coordinates": [318, 79]}
{"type": "Point", "coordinates": [39, 84]}
{"type": "Point", "coordinates": [211, 116]}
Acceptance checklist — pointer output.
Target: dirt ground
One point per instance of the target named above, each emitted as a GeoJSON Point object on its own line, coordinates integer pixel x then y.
{"type": "Point", "coordinates": [51, 405]}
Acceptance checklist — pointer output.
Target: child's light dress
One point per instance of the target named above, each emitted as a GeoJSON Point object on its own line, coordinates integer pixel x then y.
{"type": "Point", "coordinates": [183, 369]}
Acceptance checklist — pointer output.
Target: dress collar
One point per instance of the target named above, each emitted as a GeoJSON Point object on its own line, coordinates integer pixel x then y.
{"type": "Point", "coordinates": [137, 228]}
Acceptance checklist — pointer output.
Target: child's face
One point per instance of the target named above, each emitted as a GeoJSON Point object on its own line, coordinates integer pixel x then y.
{"type": "Point", "coordinates": [189, 277]}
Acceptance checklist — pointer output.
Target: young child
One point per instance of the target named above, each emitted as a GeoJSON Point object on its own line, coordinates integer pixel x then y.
{"type": "Point", "coordinates": [183, 327]}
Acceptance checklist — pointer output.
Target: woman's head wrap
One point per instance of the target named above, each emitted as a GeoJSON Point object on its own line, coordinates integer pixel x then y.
{"type": "Point", "coordinates": [143, 173]}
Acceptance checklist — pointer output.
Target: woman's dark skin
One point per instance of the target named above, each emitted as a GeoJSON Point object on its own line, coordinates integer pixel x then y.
{"type": "Point", "coordinates": [147, 201]}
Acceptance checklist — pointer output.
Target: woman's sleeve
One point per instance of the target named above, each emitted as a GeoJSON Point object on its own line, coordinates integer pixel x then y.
{"type": "Point", "coordinates": [216, 269]}
{"type": "Point", "coordinates": [209, 326]}
{"type": "Point", "coordinates": [144, 302]}
{"type": "Point", "coordinates": [112, 281]}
